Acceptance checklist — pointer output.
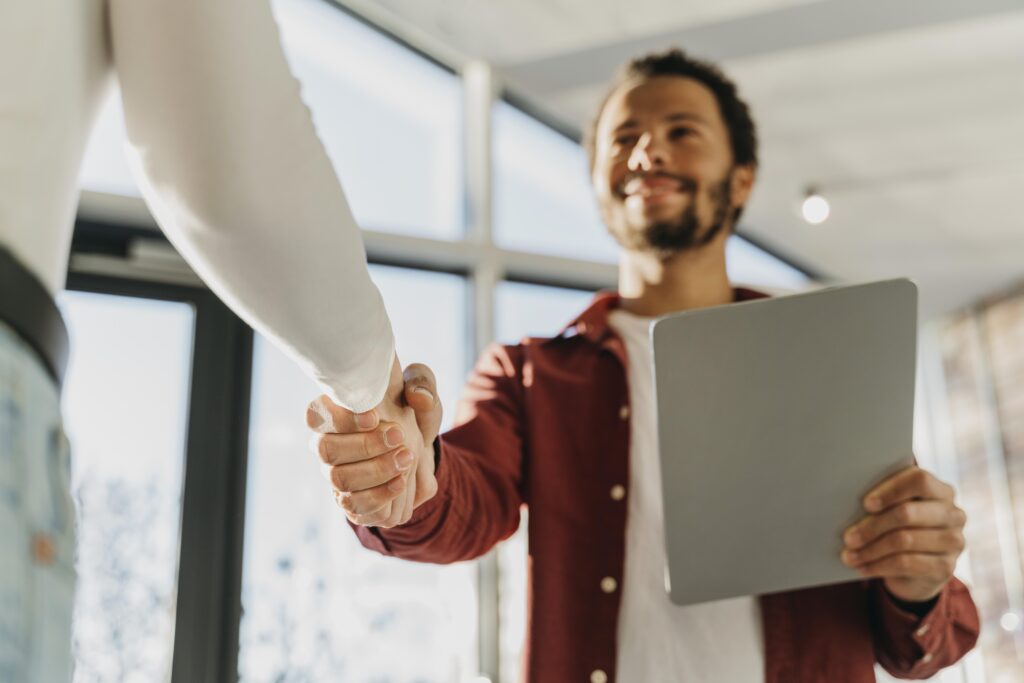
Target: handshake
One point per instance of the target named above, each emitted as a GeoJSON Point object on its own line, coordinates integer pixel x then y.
{"type": "Point", "coordinates": [381, 463]}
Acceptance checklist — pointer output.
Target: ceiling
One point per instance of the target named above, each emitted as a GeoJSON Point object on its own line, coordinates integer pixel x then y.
{"type": "Point", "coordinates": [908, 114]}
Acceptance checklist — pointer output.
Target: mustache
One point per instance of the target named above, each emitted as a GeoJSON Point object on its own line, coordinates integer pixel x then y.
{"type": "Point", "coordinates": [685, 184]}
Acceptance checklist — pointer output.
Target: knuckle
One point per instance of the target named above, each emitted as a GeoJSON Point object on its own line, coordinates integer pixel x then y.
{"type": "Point", "coordinates": [316, 445]}
{"type": "Point", "coordinates": [903, 563]}
{"type": "Point", "coordinates": [959, 517]}
{"type": "Point", "coordinates": [920, 477]}
{"type": "Point", "coordinates": [905, 540]}
{"type": "Point", "coordinates": [904, 514]}
{"type": "Point", "coordinates": [340, 479]}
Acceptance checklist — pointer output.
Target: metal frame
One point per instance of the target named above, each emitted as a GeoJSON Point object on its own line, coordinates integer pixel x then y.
{"type": "Point", "coordinates": [216, 452]}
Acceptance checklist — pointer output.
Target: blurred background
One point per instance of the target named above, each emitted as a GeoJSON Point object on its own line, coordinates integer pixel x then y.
{"type": "Point", "coordinates": [892, 145]}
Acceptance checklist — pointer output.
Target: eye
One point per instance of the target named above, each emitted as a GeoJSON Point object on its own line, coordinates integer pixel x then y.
{"type": "Point", "coordinates": [626, 140]}
{"type": "Point", "coordinates": [680, 132]}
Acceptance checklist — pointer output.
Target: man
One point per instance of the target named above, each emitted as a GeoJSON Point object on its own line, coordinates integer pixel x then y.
{"type": "Point", "coordinates": [567, 427]}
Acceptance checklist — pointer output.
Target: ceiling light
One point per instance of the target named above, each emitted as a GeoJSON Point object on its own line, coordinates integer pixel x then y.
{"type": "Point", "coordinates": [815, 208]}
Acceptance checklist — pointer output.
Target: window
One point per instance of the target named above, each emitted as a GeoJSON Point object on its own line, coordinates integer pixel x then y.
{"type": "Point", "coordinates": [317, 605]}
{"type": "Point", "coordinates": [391, 130]}
{"type": "Point", "coordinates": [390, 120]}
{"type": "Point", "coordinates": [125, 403]}
{"type": "Point", "coordinates": [542, 197]}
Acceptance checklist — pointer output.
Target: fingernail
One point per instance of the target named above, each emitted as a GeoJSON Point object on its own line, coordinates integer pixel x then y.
{"type": "Point", "coordinates": [393, 437]}
{"type": "Point", "coordinates": [313, 418]}
{"type": "Point", "coordinates": [423, 390]}
{"type": "Point", "coordinates": [873, 504]}
{"type": "Point", "coordinates": [403, 460]}
{"type": "Point", "coordinates": [365, 420]}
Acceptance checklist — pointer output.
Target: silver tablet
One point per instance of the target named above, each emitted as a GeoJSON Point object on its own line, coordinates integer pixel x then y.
{"type": "Point", "coordinates": [775, 417]}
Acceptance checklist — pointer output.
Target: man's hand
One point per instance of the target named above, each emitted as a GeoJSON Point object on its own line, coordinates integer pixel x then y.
{"type": "Point", "coordinates": [381, 463]}
{"type": "Point", "coordinates": [911, 537]}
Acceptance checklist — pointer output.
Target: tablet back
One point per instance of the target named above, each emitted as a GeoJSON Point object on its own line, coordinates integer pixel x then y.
{"type": "Point", "coordinates": [775, 417]}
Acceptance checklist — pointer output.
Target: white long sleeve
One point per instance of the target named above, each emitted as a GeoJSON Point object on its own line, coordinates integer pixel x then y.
{"type": "Point", "coordinates": [229, 163]}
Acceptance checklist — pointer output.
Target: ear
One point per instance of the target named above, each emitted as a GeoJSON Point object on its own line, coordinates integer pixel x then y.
{"type": "Point", "coordinates": [742, 184]}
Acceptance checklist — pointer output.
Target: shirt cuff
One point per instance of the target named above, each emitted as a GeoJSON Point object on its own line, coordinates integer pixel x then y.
{"type": "Point", "coordinates": [920, 629]}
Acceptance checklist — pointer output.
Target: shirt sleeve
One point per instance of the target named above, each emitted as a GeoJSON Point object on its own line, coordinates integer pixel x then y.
{"type": "Point", "coordinates": [912, 646]}
{"type": "Point", "coordinates": [229, 162]}
{"type": "Point", "coordinates": [479, 473]}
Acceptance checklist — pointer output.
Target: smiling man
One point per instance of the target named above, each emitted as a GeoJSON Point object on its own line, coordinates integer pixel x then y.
{"type": "Point", "coordinates": [566, 426]}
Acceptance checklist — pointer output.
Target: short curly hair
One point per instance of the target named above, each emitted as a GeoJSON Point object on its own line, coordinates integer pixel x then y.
{"type": "Point", "coordinates": [675, 62]}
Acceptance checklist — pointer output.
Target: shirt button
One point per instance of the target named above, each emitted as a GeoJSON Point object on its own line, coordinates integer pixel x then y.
{"type": "Point", "coordinates": [624, 413]}
{"type": "Point", "coordinates": [927, 658]}
{"type": "Point", "coordinates": [618, 492]}
{"type": "Point", "coordinates": [608, 584]}
{"type": "Point", "coordinates": [598, 676]}
{"type": "Point", "coordinates": [923, 630]}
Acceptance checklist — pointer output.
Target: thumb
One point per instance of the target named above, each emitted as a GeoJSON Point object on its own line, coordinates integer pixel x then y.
{"type": "Point", "coordinates": [421, 395]}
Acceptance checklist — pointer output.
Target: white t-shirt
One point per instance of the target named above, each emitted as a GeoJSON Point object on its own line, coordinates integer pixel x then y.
{"type": "Point", "coordinates": [225, 153]}
{"type": "Point", "coordinates": [658, 641]}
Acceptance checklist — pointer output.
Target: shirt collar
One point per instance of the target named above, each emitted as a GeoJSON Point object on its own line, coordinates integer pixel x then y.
{"type": "Point", "coordinates": [592, 323]}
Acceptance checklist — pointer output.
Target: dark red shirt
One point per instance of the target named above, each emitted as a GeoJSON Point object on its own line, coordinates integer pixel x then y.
{"type": "Point", "coordinates": [546, 424]}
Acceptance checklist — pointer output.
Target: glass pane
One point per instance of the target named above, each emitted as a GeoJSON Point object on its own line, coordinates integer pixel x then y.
{"type": "Point", "coordinates": [750, 265]}
{"type": "Point", "coordinates": [522, 310]}
{"type": "Point", "coordinates": [390, 120]}
{"type": "Point", "coordinates": [125, 405]}
{"type": "Point", "coordinates": [104, 166]}
{"type": "Point", "coordinates": [318, 606]}
{"type": "Point", "coordinates": [542, 196]}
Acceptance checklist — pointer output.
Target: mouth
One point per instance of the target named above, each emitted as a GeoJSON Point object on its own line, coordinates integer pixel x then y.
{"type": "Point", "coordinates": [653, 187]}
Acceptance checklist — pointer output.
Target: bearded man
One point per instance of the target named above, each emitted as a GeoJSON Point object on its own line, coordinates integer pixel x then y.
{"type": "Point", "coordinates": [566, 426]}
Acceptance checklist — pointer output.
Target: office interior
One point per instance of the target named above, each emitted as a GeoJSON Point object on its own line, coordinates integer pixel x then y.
{"type": "Point", "coordinates": [210, 547]}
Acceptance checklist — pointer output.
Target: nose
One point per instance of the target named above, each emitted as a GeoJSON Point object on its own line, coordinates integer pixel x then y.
{"type": "Point", "coordinates": [647, 155]}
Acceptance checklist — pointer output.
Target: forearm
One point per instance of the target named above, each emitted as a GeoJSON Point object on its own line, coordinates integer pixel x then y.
{"type": "Point", "coordinates": [230, 164]}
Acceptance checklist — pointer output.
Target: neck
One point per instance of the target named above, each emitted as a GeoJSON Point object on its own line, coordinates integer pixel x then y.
{"type": "Point", "coordinates": [651, 284]}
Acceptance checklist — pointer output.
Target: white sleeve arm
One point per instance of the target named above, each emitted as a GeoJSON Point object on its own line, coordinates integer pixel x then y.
{"type": "Point", "coordinates": [229, 163]}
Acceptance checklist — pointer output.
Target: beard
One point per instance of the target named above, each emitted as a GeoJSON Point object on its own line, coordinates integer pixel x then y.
{"type": "Point", "coordinates": [682, 232]}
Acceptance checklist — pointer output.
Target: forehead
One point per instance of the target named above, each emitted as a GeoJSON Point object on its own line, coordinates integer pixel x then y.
{"type": "Point", "coordinates": [653, 99]}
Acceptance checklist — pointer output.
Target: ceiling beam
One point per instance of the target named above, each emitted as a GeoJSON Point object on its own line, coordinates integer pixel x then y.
{"type": "Point", "coordinates": [786, 28]}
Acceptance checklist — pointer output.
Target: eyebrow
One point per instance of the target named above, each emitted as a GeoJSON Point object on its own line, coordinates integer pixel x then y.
{"type": "Point", "coordinates": [678, 116]}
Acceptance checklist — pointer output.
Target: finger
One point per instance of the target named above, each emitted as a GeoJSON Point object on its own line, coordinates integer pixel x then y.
{"type": "Point", "coordinates": [409, 500]}
{"type": "Point", "coordinates": [367, 474]}
{"type": "Point", "coordinates": [908, 484]}
{"type": "Point", "coordinates": [421, 396]}
{"type": "Point", "coordinates": [340, 449]}
{"type": "Point", "coordinates": [371, 519]}
{"type": "Point", "coordinates": [420, 387]}
{"type": "Point", "coordinates": [913, 513]}
{"type": "Point", "coordinates": [363, 520]}
{"type": "Point", "coordinates": [324, 416]}
{"type": "Point", "coordinates": [911, 565]}
{"type": "Point", "coordinates": [928, 541]}
{"type": "Point", "coordinates": [372, 500]}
